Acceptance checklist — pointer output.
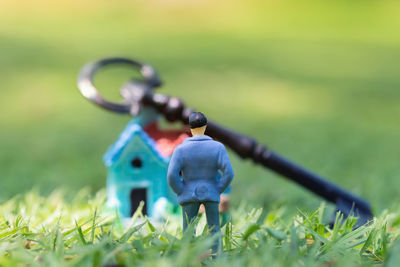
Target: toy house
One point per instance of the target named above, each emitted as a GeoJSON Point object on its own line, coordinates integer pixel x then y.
{"type": "Point", "coordinates": [137, 166]}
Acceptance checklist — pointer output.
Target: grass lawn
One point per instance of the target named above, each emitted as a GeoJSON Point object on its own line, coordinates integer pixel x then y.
{"type": "Point", "coordinates": [52, 232]}
{"type": "Point", "coordinates": [317, 82]}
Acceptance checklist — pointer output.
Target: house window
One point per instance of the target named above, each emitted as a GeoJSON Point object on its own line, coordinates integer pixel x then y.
{"type": "Point", "coordinates": [136, 162]}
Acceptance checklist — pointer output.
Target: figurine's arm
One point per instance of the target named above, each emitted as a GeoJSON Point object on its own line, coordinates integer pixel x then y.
{"type": "Point", "coordinates": [225, 167]}
{"type": "Point", "coordinates": [174, 168]}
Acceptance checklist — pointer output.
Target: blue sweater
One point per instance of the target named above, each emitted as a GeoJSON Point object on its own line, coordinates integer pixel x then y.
{"type": "Point", "coordinates": [199, 159]}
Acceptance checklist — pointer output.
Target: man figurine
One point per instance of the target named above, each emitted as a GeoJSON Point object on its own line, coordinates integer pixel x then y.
{"type": "Point", "coordinates": [192, 175]}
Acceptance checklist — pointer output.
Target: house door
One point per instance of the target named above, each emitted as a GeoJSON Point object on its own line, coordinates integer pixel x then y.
{"type": "Point", "coordinates": [137, 195]}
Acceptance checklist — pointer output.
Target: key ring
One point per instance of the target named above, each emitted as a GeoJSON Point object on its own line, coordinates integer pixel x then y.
{"type": "Point", "coordinates": [86, 87]}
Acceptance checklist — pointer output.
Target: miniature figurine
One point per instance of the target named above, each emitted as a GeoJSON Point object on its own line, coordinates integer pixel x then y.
{"type": "Point", "coordinates": [193, 175]}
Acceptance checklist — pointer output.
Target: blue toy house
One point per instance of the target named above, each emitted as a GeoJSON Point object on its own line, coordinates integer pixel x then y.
{"type": "Point", "coordinates": [137, 167]}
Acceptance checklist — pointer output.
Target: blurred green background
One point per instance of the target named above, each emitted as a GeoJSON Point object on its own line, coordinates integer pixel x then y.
{"type": "Point", "coordinates": [318, 81]}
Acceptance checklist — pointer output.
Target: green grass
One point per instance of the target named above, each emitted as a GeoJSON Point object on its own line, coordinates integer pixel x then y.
{"type": "Point", "coordinates": [316, 81]}
{"type": "Point", "coordinates": [51, 231]}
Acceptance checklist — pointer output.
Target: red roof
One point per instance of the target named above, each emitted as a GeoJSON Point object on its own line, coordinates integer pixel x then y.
{"type": "Point", "coordinates": [166, 140]}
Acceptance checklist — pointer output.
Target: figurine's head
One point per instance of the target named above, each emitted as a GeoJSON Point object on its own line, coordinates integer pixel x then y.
{"type": "Point", "coordinates": [197, 123]}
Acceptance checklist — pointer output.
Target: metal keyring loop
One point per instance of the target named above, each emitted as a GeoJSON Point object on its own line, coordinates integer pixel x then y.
{"type": "Point", "coordinates": [88, 90]}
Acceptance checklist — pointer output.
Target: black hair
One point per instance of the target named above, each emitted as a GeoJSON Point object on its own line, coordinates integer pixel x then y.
{"type": "Point", "coordinates": [197, 119]}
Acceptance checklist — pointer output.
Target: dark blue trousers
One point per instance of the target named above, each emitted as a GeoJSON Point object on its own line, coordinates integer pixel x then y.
{"type": "Point", "coordinates": [190, 211]}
